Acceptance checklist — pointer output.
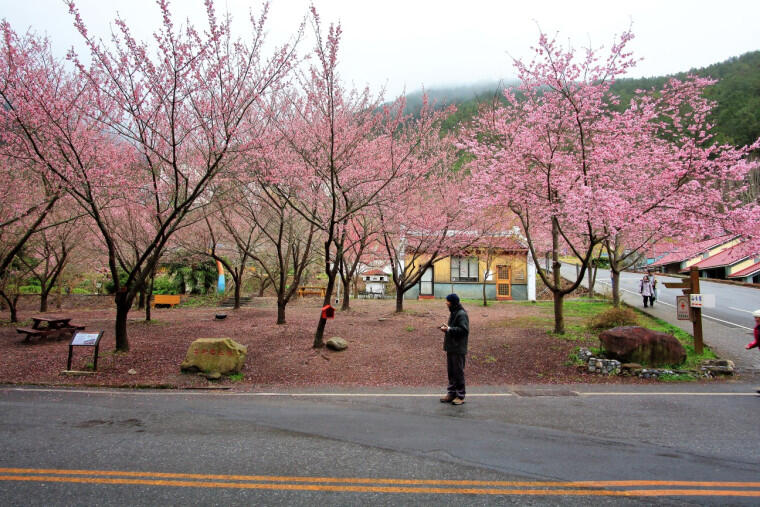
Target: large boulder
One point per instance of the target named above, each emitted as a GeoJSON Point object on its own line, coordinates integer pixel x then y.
{"type": "Point", "coordinates": [209, 355]}
{"type": "Point", "coordinates": [634, 344]}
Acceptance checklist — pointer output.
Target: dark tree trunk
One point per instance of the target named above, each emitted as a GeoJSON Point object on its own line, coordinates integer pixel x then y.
{"type": "Point", "coordinates": [319, 335]}
{"type": "Point", "coordinates": [399, 301]}
{"type": "Point", "coordinates": [559, 314]}
{"type": "Point", "coordinates": [123, 305]}
{"type": "Point", "coordinates": [345, 305]}
{"type": "Point", "coordinates": [141, 301]}
{"type": "Point", "coordinates": [236, 280]}
{"type": "Point", "coordinates": [148, 296]}
{"type": "Point", "coordinates": [11, 302]}
{"type": "Point", "coordinates": [44, 300]}
{"type": "Point", "coordinates": [615, 286]}
{"type": "Point", "coordinates": [281, 311]}
{"type": "Point", "coordinates": [263, 286]}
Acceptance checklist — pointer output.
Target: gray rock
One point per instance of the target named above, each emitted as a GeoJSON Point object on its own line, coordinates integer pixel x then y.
{"type": "Point", "coordinates": [214, 375]}
{"type": "Point", "coordinates": [132, 371]}
{"type": "Point", "coordinates": [337, 343]}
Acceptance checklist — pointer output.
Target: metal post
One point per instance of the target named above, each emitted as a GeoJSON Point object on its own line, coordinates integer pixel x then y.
{"type": "Point", "coordinates": [696, 312]}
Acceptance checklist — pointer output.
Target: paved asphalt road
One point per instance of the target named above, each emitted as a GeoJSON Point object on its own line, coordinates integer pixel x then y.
{"type": "Point", "coordinates": [665, 444]}
{"type": "Point", "coordinates": [727, 328]}
{"type": "Point", "coordinates": [691, 444]}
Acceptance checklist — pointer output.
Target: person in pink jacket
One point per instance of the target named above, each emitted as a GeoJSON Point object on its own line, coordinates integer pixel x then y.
{"type": "Point", "coordinates": [755, 343]}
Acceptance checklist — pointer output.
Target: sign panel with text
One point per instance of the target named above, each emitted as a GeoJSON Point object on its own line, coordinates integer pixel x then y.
{"type": "Point", "coordinates": [683, 310]}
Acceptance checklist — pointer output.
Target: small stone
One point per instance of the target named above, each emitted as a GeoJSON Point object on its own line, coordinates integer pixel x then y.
{"type": "Point", "coordinates": [337, 343]}
{"type": "Point", "coordinates": [214, 375]}
{"type": "Point", "coordinates": [132, 371]}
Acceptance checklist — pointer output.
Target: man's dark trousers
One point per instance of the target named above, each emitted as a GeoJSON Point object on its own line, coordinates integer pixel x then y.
{"type": "Point", "coordinates": [455, 368]}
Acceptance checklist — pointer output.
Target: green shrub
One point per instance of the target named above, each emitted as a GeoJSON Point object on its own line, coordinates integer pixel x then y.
{"type": "Point", "coordinates": [29, 289]}
{"type": "Point", "coordinates": [79, 290]}
{"type": "Point", "coordinates": [163, 284]}
{"type": "Point", "coordinates": [614, 317]}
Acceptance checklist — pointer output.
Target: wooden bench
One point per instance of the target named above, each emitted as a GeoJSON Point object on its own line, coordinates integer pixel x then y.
{"type": "Point", "coordinates": [165, 299]}
{"type": "Point", "coordinates": [43, 327]}
{"type": "Point", "coordinates": [309, 290]}
{"type": "Point", "coordinates": [30, 332]}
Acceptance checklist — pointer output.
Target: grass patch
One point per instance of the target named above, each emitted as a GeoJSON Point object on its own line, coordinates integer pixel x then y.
{"type": "Point", "coordinates": [236, 377]}
{"type": "Point", "coordinates": [614, 317]}
{"type": "Point", "coordinates": [524, 321]}
{"type": "Point", "coordinates": [151, 322]}
{"type": "Point", "coordinates": [409, 328]}
{"type": "Point", "coordinates": [201, 301]}
{"type": "Point", "coordinates": [678, 377]}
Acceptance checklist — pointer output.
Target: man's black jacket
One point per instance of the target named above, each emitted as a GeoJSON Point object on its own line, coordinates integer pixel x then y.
{"type": "Point", "coordinates": [455, 340]}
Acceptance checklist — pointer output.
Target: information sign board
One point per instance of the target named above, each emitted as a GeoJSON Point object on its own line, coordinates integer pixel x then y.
{"type": "Point", "coordinates": [683, 311]}
{"type": "Point", "coordinates": [702, 300]}
{"type": "Point", "coordinates": [85, 340]}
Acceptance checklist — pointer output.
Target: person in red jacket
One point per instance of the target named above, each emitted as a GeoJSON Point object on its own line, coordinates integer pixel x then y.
{"type": "Point", "coordinates": [755, 343]}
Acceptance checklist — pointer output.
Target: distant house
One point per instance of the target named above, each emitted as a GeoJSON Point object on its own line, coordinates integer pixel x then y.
{"type": "Point", "coordinates": [374, 281]}
{"type": "Point", "coordinates": [748, 271]}
{"type": "Point", "coordinates": [510, 275]}
{"type": "Point", "coordinates": [724, 263]}
{"type": "Point", "coordinates": [683, 257]}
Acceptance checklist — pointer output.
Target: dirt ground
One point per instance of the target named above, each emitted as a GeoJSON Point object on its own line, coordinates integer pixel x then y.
{"type": "Point", "coordinates": [508, 345]}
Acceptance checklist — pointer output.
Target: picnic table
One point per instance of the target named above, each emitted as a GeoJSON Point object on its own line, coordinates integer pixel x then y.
{"type": "Point", "coordinates": [59, 327]}
{"type": "Point", "coordinates": [314, 290]}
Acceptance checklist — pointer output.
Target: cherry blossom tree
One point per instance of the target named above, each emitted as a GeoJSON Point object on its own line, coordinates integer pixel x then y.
{"type": "Point", "coordinates": [137, 131]}
{"type": "Point", "coordinates": [361, 234]}
{"type": "Point", "coordinates": [423, 226]}
{"type": "Point", "coordinates": [546, 153]}
{"type": "Point", "coordinates": [566, 162]}
{"type": "Point", "coordinates": [263, 224]}
{"type": "Point", "coordinates": [26, 201]}
{"type": "Point", "coordinates": [48, 252]}
{"type": "Point", "coordinates": [346, 148]}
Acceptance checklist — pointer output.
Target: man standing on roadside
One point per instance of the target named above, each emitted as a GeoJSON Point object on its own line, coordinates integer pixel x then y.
{"type": "Point", "coordinates": [455, 344]}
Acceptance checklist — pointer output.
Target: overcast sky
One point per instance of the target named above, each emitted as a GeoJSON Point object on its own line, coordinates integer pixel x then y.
{"type": "Point", "coordinates": [411, 43]}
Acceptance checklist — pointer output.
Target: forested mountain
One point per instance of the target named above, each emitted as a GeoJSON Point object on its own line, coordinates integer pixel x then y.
{"type": "Point", "coordinates": [737, 94]}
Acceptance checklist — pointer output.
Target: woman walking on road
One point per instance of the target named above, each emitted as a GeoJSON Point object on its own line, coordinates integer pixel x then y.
{"type": "Point", "coordinates": [646, 289]}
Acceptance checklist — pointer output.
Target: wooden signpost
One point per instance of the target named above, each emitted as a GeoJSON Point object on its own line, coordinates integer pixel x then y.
{"type": "Point", "coordinates": [690, 287]}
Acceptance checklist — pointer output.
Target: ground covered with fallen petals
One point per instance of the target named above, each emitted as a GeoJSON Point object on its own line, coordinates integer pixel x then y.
{"type": "Point", "coordinates": [510, 343]}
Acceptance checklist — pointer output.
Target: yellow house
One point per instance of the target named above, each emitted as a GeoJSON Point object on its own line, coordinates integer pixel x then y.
{"type": "Point", "coordinates": [504, 269]}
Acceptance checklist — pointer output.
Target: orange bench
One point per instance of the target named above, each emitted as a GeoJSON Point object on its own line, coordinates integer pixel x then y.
{"type": "Point", "coordinates": [309, 290]}
{"type": "Point", "coordinates": [165, 299]}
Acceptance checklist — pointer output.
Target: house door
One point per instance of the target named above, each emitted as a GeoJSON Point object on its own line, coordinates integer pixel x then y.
{"type": "Point", "coordinates": [426, 283]}
{"type": "Point", "coordinates": [503, 282]}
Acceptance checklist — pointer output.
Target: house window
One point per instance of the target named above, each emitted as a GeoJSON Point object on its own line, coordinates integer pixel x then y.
{"type": "Point", "coordinates": [464, 269]}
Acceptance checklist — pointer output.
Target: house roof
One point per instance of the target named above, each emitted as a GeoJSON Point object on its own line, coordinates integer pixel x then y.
{"type": "Point", "coordinates": [374, 272]}
{"type": "Point", "coordinates": [727, 257]}
{"type": "Point", "coordinates": [663, 248]}
{"type": "Point", "coordinates": [504, 242]}
{"type": "Point", "coordinates": [686, 252]}
{"type": "Point", "coordinates": [748, 271]}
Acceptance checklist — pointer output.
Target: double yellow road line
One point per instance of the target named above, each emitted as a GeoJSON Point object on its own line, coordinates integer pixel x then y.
{"type": "Point", "coordinates": [386, 485]}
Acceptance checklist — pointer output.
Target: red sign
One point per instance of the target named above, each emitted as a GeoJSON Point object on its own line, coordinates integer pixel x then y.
{"type": "Point", "coordinates": [683, 310]}
{"type": "Point", "coordinates": [328, 312]}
